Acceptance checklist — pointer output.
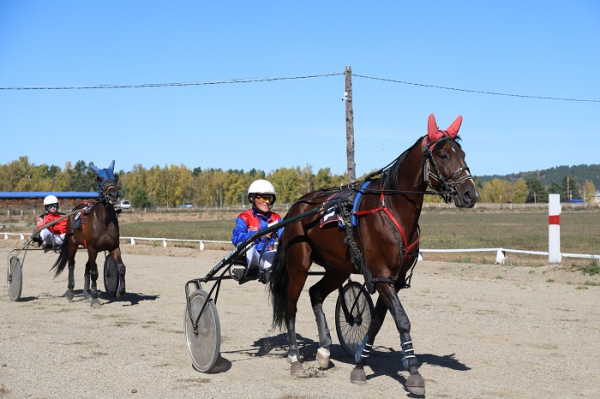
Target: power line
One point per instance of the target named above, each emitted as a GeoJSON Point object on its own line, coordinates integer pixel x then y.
{"type": "Point", "coordinates": [174, 84]}
{"type": "Point", "coordinates": [476, 91]}
{"type": "Point", "coordinates": [267, 79]}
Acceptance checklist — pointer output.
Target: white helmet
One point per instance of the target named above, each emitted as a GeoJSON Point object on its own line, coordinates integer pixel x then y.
{"type": "Point", "coordinates": [262, 187]}
{"type": "Point", "coordinates": [50, 199]}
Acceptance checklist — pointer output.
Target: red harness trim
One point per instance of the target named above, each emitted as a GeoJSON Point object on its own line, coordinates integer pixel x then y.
{"type": "Point", "coordinates": [387, 211]}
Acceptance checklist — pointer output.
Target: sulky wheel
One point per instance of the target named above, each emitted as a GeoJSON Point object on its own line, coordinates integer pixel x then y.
{"type": "Point", "coordinates": [14, 278]}
{"type": "Point", "coordinates": [353, 315]}
{"type": "Point", "coordinates": [204, 342]}
{"type": "Point", "coordinates": [111, 276]}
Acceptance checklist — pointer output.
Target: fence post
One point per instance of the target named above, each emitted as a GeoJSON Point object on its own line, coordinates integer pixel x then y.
{"type": "Point", "coordinates": [201, 246]}
{"type": "Point", "coordinates": [554, 228]}
{"type": "Point", "coordinates": [500, 256]}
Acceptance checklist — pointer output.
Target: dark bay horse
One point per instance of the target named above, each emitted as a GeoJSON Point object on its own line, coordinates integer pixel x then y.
{"type": "Point", "coordinates": [383, 245]}
{"type": "Point", "coordinates": [98, 232]}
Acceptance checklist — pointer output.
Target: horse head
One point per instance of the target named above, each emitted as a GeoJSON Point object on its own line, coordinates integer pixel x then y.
{"type": "Point", "coordinates": [444, 166]}
{"type": "Point", "coordinates": [107, 183]}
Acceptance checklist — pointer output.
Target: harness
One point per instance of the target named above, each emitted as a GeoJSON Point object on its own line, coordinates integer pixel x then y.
{"type": "Point", "coordinates": [349, 220]}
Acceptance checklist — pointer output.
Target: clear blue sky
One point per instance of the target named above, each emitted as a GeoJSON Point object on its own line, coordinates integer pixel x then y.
{"type": "Point", "coordinates": [531, 48]}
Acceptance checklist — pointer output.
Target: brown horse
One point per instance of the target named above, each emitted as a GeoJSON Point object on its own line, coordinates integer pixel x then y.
{"type": "Point", "coordinates": [98, 232]}
{"type": "Point", "coordinates": [382, 245]}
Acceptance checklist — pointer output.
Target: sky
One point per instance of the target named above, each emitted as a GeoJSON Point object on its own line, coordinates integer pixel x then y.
{"type": "Point", "coordinates": [408, 59]}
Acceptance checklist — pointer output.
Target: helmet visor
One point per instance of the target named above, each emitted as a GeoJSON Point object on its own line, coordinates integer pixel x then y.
{"type": "Point", "coordinates": [50, 206]}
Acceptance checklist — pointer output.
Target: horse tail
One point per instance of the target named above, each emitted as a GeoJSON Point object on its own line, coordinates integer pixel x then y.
{"type": "Point", "coordinates": [278, 286]}
{"type": "Point", "coordinates": [63, 257]}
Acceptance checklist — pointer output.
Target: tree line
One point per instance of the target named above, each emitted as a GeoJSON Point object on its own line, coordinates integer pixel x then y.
{"type": "Point", "coordinates": [173, 185]}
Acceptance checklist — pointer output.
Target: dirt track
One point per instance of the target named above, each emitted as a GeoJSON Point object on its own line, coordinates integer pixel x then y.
{"type": "Point", "coordinates": [480, 331]}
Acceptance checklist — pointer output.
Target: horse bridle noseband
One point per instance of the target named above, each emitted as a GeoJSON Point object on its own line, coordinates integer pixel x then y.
{"type": "Point", "coordinates": [446, 189]}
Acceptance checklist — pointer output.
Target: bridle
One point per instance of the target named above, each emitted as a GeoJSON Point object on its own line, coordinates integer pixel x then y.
{"type": "Point", "coordinates": [445, 188]}
{"type": "Point", "coordinates": [108, 189]}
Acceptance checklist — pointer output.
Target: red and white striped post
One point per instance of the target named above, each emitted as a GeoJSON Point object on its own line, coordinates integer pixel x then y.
{"type": "Point", "coordinates": [554, 228]}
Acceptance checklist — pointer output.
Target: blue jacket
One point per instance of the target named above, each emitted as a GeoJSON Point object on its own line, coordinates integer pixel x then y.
{"type": "Point", "coordinates": [249, 223]}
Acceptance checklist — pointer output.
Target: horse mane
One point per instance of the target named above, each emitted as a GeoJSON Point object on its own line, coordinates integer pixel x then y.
{"type": "Point", "coordinates": [390, 173]}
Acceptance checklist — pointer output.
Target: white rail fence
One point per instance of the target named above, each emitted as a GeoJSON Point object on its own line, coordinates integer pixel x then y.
{"type": "Point", "coordinates": [500, 252]}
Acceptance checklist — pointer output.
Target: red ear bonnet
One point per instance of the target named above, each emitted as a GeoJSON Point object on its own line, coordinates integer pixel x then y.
{"type": "Point", "coordinates": [455, 126]}
{"type": "Point", "coordinates": [434, 133]}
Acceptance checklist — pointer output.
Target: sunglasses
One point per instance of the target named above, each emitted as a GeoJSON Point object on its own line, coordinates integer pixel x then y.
{"type": "Point", "coordinates": [263, 198]}
{"type": "Point", "coordinates": [51, 206]}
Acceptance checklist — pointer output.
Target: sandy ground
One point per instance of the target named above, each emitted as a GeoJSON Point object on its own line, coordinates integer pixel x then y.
{"type": "Point", "coordinates": [480, 331]}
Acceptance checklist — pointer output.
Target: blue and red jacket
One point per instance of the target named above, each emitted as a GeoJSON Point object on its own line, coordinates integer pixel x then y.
{"type": "Point", "coordinates": [249, 223]}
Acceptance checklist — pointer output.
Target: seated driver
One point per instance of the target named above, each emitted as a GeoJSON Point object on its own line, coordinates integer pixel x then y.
{"type": "Point", "coordinates": [52, 235]}
{"type": "Point", "coordinates": [261, 194]}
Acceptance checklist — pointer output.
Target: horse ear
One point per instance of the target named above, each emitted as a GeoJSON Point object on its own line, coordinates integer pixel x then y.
{"type": "Point", "coordinates": [455, 126]}
{"type": "Point", "coordinates": [94, 168]}
{"type": "Point", "coordinates": [433, 133]}
{"type": "Point", "coordinates": [112, 166]}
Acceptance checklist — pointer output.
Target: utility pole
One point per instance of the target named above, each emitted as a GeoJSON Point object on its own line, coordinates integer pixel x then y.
{"type": "Point", "coordinates": [349, 127]}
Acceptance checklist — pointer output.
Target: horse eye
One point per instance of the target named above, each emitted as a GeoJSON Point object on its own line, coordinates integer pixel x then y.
{"type": "Point", "coordinates": [444, 155]}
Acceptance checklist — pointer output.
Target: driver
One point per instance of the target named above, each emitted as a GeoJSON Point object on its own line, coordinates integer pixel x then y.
{"type": "Point", "coordinates": [261, 194]}
{"type": "Point", "coordinates": [53, 235]}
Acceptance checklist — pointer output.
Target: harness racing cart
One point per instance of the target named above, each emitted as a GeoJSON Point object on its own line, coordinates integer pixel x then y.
{"type": "Point", "coordinates": [16, 259]}
{"type": "Point", "coordinates": [353, 310]}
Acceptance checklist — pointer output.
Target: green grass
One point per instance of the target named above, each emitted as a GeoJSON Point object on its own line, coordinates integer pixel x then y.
{"type": "Point", "coordinates": [219, 230]}
{"type": "Point", "coordinates": [458, 229]}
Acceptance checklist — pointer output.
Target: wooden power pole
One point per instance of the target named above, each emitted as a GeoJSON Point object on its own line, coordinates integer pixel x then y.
{"type": "Point", "coordinates": [349, 127]}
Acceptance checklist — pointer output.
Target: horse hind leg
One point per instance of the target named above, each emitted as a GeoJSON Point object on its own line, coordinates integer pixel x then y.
{"type": "Point", "coordinates": [69, 294]}
{"type": "Point", "coordinates": [318, 293]}
{"type": "Point", "coordinates": [116, 254]}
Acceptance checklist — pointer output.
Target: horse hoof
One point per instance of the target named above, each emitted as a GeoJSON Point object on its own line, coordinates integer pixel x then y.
{"type": "Point", "coordinates": [358, 376]}
{"type": "Point", "coordinates": [95, 303]}
{"type": "Point", "coordinates": [120, 294]}
{"type": "Point", "coordinates": [323, 358]}
{"type": "Point", "coordinates": [416, 384]}
{"type": "Point", "coordinates": [296, 369]}
{"type": "Point", "coordinates": [69, 295]}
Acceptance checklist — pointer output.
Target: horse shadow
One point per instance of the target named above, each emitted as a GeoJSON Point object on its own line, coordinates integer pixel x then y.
{"type": "Point", "coordinates": [132, 297]}
{"type": "Point", "coordinates": [384, 361]}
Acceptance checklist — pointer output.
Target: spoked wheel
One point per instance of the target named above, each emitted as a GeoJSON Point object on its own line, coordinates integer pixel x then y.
{"type": "Point", "coordinates": [111, 276]}
{"type": "Point", "coordinates": [353, 314]}
{"type": "Point", "coordinates": [204, 342]}
{"type": "Point", "coordinates": [14, 278]}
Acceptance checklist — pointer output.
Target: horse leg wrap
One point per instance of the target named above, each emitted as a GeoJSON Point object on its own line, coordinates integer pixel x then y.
{"type": "Point", "coordinates": [324, 334]}
{"type": "Point", "coordinates": [293, 353]}
{"type": "Point", "coordinates": [409, 360]}
{"type": "Point", "coordinates": [363, 352]}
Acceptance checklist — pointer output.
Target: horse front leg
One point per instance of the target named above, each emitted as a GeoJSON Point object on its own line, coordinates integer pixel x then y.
{"type": "Point", "coordinates": [92, 272]}
{"type": "Point", "coordinates": [415, 384]}
{"type": "Point", "coordinates": [358, 375]}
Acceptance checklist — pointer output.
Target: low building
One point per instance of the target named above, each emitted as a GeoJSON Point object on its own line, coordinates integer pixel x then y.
{"type": "Point", "coordinates": [17, 201]}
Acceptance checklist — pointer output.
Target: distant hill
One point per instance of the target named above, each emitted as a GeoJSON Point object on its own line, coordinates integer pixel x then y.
{"type": "Point", "coordinates": [554, 175]}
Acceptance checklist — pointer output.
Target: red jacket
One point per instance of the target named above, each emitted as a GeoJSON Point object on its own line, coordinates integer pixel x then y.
{"type": "Point", "coordinates": [58, 228]}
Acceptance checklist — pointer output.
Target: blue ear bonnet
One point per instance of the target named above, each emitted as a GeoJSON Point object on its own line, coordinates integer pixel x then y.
{"type": "Point", "coordinates": [105, 174]}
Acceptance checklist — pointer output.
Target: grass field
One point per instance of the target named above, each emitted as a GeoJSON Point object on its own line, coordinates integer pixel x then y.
{"type": "Point", "coordinates": [580, 233]}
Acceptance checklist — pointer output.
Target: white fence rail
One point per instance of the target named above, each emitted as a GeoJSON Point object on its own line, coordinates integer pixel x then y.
{"type": "Point", "coordinates": [500, 252]}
